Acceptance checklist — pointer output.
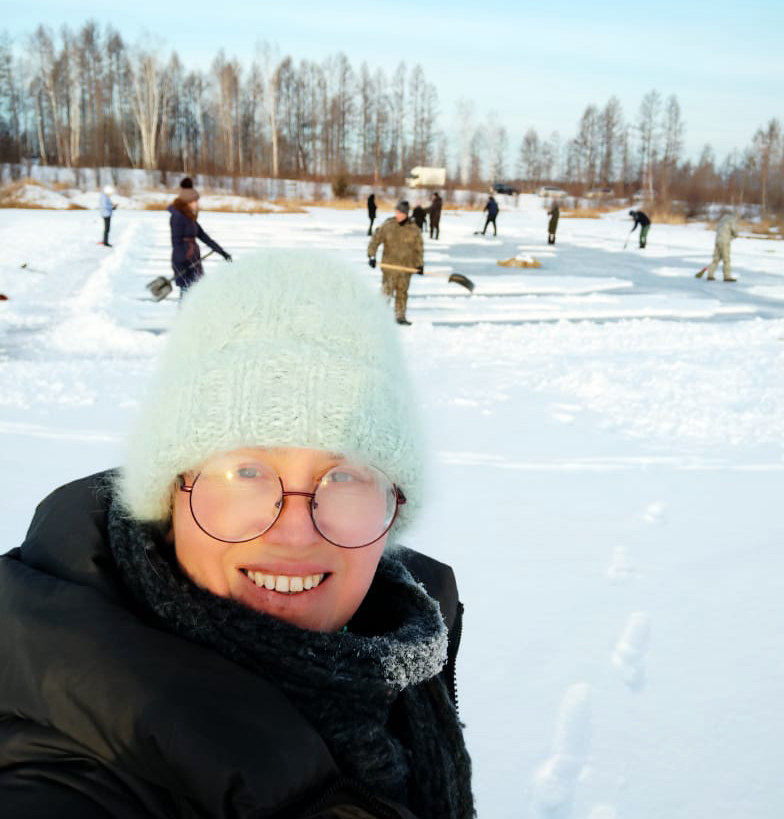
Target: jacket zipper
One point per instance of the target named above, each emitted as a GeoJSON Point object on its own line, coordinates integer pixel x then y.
{"type": "Point", "coordinates": [451, 670]}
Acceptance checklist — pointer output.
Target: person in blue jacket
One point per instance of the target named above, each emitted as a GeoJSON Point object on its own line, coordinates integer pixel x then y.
{"type": "Point", "coordinates": [107, 208]}
{"type": "Point", "coordinates": [185, 230]}
{"type": "Point", "coordinates": [492, 211]}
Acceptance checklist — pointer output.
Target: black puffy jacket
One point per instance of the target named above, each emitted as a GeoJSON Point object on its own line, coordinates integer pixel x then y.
{"type": "Point", "coordinates": [103, 714]}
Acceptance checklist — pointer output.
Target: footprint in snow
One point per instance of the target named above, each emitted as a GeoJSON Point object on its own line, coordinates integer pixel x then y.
{"type": "Point", "coordinates": [631, 650]}
{"type": "Point", "coordinates": [620, 570]}
{"type": "Point", "coordinates": [655, 514]}
{"type": "Point", "coordinates": [555, 782]}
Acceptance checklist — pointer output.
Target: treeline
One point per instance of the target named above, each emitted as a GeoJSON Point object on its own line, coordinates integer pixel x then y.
{"type": "Point", "coordinates": [86, 98]}
{"type": "Point", "coordinates": [645, 158]}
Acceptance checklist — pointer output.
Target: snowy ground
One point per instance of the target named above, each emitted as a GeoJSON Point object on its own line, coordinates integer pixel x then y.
{"type": "Point", "coordinates": [607, 437]}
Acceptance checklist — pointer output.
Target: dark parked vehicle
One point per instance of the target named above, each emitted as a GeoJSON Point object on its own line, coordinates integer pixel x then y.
{"type": "Point", "coordinates": [508, 189]}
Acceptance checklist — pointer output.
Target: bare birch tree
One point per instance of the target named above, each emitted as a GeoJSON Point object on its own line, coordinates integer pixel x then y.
{"type": "Point", "coordinates": [765, 143]}
{"type": "Point", "coordinates": [465, 132]}
{"type": "Point", "coordinates": [148, 99]}
{"type": "Point", "coordinates": [268, 58]}
{"type": "Point", "coordinates": [650, 139]}
{"type": "Point", "coordinates": [530, 161]}
{"type": "Point", "coordinates": [610, 130]}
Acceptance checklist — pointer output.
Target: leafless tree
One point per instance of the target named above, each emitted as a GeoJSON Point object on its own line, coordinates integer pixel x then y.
{"type": "Point", "coordinates": [610, 131]}
{"type": "Point", "coordinates": [530, 163]}
{"type": "Point", "coordinates": [397, 99]}
{"type": "Point", "coordinates": [650, 138]}
{"type": "Point", "coordinates": [673, 144]}
{"type": "Point", "coordinates": [11, 100]}
{"type": "Point", "coordinates": [465, 133]}
{"type": "Point", "coordinates": [149, 90]}
{"type": "Point", "coordinates": [586, 149]}
{"type": "Point", "coordinates": [268, 62]}
{"type": "Point", "coordinates": [766, 142]}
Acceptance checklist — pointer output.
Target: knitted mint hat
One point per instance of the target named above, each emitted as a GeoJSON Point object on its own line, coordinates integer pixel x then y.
{"type": "Point", "coordinates": [286, 348]}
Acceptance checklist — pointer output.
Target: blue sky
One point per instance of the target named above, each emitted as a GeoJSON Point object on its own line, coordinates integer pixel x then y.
{"type": "Point", "coordinates": [533, 64]}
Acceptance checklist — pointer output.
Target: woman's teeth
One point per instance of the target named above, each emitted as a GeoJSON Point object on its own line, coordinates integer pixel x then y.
{"type": "Point", "coordinates": [284, 583]}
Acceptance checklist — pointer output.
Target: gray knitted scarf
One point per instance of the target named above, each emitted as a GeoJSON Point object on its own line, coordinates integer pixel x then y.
{"type": "Point", "coordinates": [373, 692]}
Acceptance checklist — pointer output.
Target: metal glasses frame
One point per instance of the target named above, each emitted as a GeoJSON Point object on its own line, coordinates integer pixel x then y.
{"type": "Point", "coordinates": [400, 499]}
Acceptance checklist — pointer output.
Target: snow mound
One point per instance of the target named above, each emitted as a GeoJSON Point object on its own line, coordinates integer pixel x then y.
{"type": "Point", "coordinates": [96, 334]}
{"type": "Point", "coordinates": [27, 194]}
{"type": "Point", "coordinates": [521, 260]}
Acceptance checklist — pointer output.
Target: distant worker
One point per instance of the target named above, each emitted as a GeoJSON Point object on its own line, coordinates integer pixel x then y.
{"type": "Point", "coordinates": [644, 222]}
{"type": "Point", "coordinates": [106, 207]}
{"type": "Point", "coordinates": [403, 248]}
{"type": "Point", "coordinates": [554, 213]}
{"type": "Point", "coordinates": [434, 215]}
{"type": "Point", "coordinates": [185, 230]}
{"type": "Point", "coordinates": [726, 230]}
{"type": "Point", "coordinates": [492, 211]}
{"type": "Point", "coordinates": [371, 205]}
{"type": "Point", "coordinates": [419, 215]}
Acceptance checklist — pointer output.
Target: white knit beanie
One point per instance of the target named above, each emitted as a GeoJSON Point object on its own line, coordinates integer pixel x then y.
{"type": "Point", "coordinates": [287, 349]}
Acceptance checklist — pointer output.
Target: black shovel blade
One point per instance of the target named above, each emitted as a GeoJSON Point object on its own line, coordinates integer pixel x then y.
{"type": "Point", "coordinates": [159, 288]}
{"type": "Point", "coordinates": [464, 281]}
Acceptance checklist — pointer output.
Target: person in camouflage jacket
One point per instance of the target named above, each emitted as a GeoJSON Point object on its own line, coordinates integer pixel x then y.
{"type": "Point", "coordinates": [403, 247]}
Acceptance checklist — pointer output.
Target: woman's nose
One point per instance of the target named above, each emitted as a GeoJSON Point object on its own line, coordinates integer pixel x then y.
{"type": "Point", "coordinates": [294, 526]}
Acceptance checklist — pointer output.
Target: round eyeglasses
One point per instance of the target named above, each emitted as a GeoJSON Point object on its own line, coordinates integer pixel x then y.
{"type": "Point", "coordinates": [235, 499]}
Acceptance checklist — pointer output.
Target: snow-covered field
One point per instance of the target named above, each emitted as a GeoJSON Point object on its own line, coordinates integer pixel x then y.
{"type": "Point", "coordinates": [607, 470]}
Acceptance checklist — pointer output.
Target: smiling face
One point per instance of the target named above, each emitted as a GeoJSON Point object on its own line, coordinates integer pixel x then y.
{"type": "Point", "coordinates": [290, 571]}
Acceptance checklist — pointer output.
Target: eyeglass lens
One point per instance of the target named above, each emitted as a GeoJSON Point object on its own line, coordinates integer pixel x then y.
{"type": "Point", "coordinates": [237, 499]}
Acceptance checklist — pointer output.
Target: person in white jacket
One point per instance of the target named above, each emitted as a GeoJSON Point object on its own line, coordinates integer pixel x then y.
{"type": "Point", "coordinates": [106, 207]}
{"type": "Point", "coordinates": [726, 230]}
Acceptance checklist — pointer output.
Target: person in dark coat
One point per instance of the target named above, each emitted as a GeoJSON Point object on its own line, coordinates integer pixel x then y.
{"type": "Point", "coordinates": [554, 213]}
{"type": "Point", "coordinates": [434, 215]}
{"type": "Point", "coordinates": [222, 628]}
{"type": "Point", "coordinates": [185, 230]}
{"type": "Point", "coordinates": [644, 222]}
{"type": "Point", "coordinates": [419, 215]}
{"type": "Point", "coordinates": [492, 212]}
{"type": "Point", "coordinates": [371, 206]}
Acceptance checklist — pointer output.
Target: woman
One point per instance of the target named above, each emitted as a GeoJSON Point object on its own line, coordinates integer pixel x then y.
{"type": "Point", "coordinates": [223, 627]}
{"type": "Point", "coordinates": [185, 230]}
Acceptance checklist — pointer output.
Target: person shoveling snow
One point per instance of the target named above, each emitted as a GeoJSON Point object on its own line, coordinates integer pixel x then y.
{"type": "Point", "coordinates": [726, 230]}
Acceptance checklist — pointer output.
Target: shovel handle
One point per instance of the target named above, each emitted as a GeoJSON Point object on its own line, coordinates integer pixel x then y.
{"type": "Point", "coordinates": [398, 267]}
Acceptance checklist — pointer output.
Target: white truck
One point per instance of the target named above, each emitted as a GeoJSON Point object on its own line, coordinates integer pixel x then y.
{"type": "Point", "coordinates": [421, 177]}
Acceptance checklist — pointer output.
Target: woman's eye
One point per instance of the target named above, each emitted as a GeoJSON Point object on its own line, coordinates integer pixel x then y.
{"type": "Point", "coordinates": [248, 472]}
{"type": "Point", "coordinates": [341, 477]}
{"type": "Point", "coordinates": [344, 476]}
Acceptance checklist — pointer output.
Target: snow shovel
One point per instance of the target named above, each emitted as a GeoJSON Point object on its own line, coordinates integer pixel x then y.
{"type": "Point", "coordinates": [161, 286]}
{"type": "Point", "coordinates": [456, 278]}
